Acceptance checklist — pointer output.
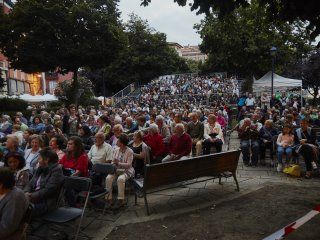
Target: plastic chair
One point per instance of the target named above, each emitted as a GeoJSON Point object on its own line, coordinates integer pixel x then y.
{"type": "Point", "coordinates": [64, 215]}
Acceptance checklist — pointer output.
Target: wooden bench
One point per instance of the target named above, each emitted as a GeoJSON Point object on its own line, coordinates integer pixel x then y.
{"type": "Point", "coordinates": [164, 174]}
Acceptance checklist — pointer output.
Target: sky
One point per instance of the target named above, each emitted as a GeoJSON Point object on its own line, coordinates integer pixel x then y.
{"type": "Point", "coordinates": [168, 17]}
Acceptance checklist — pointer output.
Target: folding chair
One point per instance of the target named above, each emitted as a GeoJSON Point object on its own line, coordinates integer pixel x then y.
{"type": "Point", "coordinates": [104, 169]}
{"type": "Point", "coordinates": [64, 215]}
{"type": "Point", "coordinates": [26, 221]}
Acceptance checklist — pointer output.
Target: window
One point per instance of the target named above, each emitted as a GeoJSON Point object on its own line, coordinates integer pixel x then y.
{"type": "Point", "coordinates": [52, 86]}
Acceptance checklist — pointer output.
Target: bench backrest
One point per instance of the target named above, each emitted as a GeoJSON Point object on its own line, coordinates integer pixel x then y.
{"type": "Point", "coordinates": [176, 171]}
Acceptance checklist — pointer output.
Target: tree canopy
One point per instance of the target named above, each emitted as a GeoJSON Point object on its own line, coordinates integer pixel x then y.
{"type": "Point", "coordinates": [284, 10]}
{"type": "Point", "coordinates": [63, 35]}
{"type": "Point", "coordinates": [240, 43]}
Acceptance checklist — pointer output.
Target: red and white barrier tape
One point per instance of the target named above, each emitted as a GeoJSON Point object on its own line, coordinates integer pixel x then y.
{"type": "Point", "coordinates": [293, 226]}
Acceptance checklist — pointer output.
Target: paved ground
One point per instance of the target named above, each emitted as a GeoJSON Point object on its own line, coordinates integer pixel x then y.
{"type": "Point", "coordinates": [207, 196]}
{"type": "Point", "coordinates": [252, 217]}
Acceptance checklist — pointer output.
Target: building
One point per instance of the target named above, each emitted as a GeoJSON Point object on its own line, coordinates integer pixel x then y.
{"type": "Point", "coordinates": [188, 52]}
{"type": "Point", "coordinates": [53, 78]}
{"type": "Point", "coordinates": [16, 81]}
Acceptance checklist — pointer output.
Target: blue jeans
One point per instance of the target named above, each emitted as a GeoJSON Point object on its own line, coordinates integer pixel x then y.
{"type": "Point", "coordinates": [281, 151]}
{"type": "Point", "coordinates": [245, 147]}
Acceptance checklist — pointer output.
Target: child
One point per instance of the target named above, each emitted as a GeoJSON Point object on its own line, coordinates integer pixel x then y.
{"type": "Point", "coordinates": [285, 142]}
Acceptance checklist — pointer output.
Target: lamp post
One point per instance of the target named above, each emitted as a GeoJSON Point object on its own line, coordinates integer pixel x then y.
{"type": "Point", "coordinates": [273, 52]}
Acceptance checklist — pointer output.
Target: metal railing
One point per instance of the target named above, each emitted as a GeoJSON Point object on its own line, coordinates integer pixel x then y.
{"type": "Point", "coordinates": [116, 98]}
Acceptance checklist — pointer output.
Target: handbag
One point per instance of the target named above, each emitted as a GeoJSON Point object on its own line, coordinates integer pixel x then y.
{"type": "Point", "coordinates": [293, 170]}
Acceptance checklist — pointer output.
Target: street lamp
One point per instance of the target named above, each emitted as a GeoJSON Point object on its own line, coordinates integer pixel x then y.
{"type": "Point", "coordinates": [273, 52]}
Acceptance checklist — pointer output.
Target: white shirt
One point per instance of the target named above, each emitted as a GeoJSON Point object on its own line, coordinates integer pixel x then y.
{"type": "Point", "coordinates": [250, 101]}
{"type": "Point", "coordinates": [100, 154]}
{"type": "Point", "coordinates": [30, 158]}
{"type": "Point", "coordinates": [208, 129]}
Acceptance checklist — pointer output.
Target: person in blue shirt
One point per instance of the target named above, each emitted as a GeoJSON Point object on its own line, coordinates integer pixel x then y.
{"type": "Point", "coordinates": [37, 125]}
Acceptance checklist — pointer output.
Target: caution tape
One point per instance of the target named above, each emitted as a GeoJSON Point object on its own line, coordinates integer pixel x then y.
{"type": "Point", "coordinates": [282, 233]}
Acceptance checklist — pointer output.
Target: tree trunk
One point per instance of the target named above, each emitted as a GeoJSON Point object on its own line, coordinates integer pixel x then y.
{"type": "Point", "coordinates": [315, 95]}
{"type": "Point", "coordinates": [75, 87]}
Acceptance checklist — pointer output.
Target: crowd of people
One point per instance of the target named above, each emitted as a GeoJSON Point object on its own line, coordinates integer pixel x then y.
{"type": "Point", "coordinates": [172, 119]}
{"type": "Point", "coordinates": [281, 125]}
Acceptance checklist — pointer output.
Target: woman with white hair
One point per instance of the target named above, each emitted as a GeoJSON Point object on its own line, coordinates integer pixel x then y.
{"type": "Point", "coordinates": [155, 141]}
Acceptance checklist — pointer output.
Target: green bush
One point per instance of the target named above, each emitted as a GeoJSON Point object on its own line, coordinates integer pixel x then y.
{"type": "Point", "coordinates": [12, 104]}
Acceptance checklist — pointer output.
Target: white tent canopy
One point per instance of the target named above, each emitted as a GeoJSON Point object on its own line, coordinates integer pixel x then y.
{"type": "Point", "coordinates": [38, 98]}
{"type": "Point", "coordinates": [279, 83]}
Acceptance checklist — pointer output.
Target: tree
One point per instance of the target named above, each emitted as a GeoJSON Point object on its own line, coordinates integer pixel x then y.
{"type": "Point", "coordinates": [147, 56]}
{"type": "Point", "coordinates": [284, 10]}
{"type": "Point", "coordinates": [65, 89]}
{"type": "Point", "coordinates": [239, 44]}
{"type": "Point", "coordinates": [193, 65]}
{"type": "Point", "coordinates": [63, 35]}
{"type": "Point", "coordinates": [310, 73]}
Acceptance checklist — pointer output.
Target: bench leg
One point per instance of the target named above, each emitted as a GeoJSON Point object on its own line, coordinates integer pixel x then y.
{"type": "Point", "coordinates": [220, 180]}
{"type": "Point", "coordinates": [146, 203]}
{"type": "Point", "coordinates": [135, 197]}
{"type": "Point", "coordinates": [236, 180]}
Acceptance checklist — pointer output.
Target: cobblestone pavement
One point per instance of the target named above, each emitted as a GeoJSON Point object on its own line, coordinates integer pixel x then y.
{"type": "Point", "coordinates": [187, 198]}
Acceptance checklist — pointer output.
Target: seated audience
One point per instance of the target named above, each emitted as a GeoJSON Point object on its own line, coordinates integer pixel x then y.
{"type": "Point", "coordinates": [213, 135]}
{"type": "Point", "coordinates": [195, 129]}
{"type": "Point", "coordinates": [86, 137]}
{"type": "Point", "coordinates": [100, 152]}
{"type": "Point", "coordinates": [249, 137]}
{"type": "Point", "coordinates": [306, 146]}
{"type": "Point", "coordinates": [44, 187]}
{"type": "Point", "coordinates": [130, 125]}
{"type": "Point", "coordinates": [57, 144]}
{"type": "Point", "coordinates": [104, 126]}
{"type": "Point", "coordinates": [31, 155]}
{"type": "Point", "coordinates": [26, 140]}
{"type": "Point", "coordinates": [163, 129]}
{"type": "Point", "coordinates": [37, 126]}
{"type": "Point", "coordinates": [285, 143]}
{"type": "Point", "coordinates": [117, 131]}
{"type": "Point", "coordinates": [75, 161]}
{"type": "Point", "coordinates": [142, 123]}
{"type": "Point", "coordinates": [12, 145]}
{"type": "Point", "coordinates": [267, 135]}
{"type": "Point", "coordinates": [141, 155]}
{"type": "Point", "coordinates": [13, 207]}
{"type": "Point", "coordinates": [154, 140]}
{"type": "Point", "coordinates": [17, 165]}
{"type": "Point", "coordinates": [16, 131]}
{"type": "Point", "coordinates": [122, 159]}
{"type": "Point", "coordinates": [180, 145]}
{"type": "Point", "coordinates": [6, 125]}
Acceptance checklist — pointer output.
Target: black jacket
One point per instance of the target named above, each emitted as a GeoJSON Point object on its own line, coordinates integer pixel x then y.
{"type": "Point", "coordinates": [50, 185]}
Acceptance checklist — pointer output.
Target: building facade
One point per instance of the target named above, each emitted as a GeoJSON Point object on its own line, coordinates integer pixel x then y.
{"type": "Point", "coordinates": [16, 81]}
{"type": "Point", "coordinates": [189, 52]}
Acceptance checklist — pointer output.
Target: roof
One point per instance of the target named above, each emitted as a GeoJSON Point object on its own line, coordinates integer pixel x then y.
{"type": "Point", "coordinates": [174, 44]}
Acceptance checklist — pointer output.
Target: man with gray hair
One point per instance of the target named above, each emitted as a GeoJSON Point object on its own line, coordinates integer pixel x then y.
{"type": "Point", "coordinates": [163, 129]}
{"type": "Point", "coordinates": [100, 152]}
{"type": "Point", "coordinates": [195, 129]}
{"type": "Point", "coordinates": [180, 145]}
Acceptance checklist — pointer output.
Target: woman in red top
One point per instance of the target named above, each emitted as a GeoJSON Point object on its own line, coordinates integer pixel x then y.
{"type": "Point", "coordinates": [75, 160]}
{"type": "Point", "coordinates": [155, 141]}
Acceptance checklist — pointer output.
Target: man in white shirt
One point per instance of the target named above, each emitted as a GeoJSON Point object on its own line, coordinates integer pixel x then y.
{"type": "Point", "coordinates": [250, 102]}
{"type": "Point", "coordinates": [100, 152]}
